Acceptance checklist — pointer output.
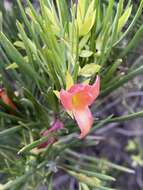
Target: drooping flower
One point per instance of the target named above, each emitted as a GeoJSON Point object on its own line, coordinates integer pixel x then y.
{"type": "Point", "coordinates": [77, 100]}
{"type": "Point", "coordinates": [56, 126]}
{"type": "Point", "coordinates": [4, 97]}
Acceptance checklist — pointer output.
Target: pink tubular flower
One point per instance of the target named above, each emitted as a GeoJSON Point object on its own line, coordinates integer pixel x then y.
{"type": "Point", "coordinates": [77, 100]}
{"type": "Point", "coordinates": [56, 126]}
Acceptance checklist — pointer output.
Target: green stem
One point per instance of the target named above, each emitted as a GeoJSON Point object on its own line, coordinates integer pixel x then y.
{"type": "Point", "coordinates": [134, 42]}
{"type": "Point", "coordinates": [126, 117]}
{"type": "Point", "coordinates": [10, 131]}
{"type": "Point", "coordinates": [121, 81]}
{"type": "Point", "coordinates": [34, 144]}
{"type": "Point", "coordinates": [97, 161]}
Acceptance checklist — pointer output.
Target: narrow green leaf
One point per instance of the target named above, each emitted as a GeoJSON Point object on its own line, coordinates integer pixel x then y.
{"type": "Point", "coordinates": [34, 144]}
{"type": "Point", "coordinates": [28, 24]}
{"type": "Point", "coordinates": [133, 43]}
{"type": "Point", "coordinates": [8, 147]}
{"type": "Point", "coordinates": [97, 161]}
{"type": "Point", "coordinates": [91, 181]}
{"type": "Point", "coordinates": [121, 81]}
{"type": "Point", "coordinates": [135, 18]}
{"type": "Point", "coordinates": [50, 184]}
{"type": "Point", "coordinates": [10, 131]}
{"type": "Point", "coordinates": [127, 117]}
{"type": "Point", "coordinates": [108, 14]}
{"type": "Point", "coordinates": [63, 6]}
{"type": "Point", "coordinates": [83, 186]}
{"type": "Point", "coordinates": [101, 123]}
{"type": "Point", "coordinates": [124, 18]}
{"type": "Point", "coordinates": [91, 173]}
{"type": "Point", "coordinates": [112, 70]}
{"type": "Point", "coordinates": [12, 117]}
{"type": "Point", "coordinates": [17, 57]}
{"type": "Point", "coordinates": [106, 188]}
{"type": "Point", "coordinates": [1, 19]}
{"type": "Point", "coordinates": [15, 182]}
{"type": "Point", "coordinates": [116, 21]}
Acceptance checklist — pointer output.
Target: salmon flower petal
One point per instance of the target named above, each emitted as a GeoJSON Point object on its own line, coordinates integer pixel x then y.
{"type": "Point", "coordinates": [77, 99]}
{"type": "Point", "coordinates": [76, 88]}
{"type": "Point", "coordinates": [93, 90]}
{"type": "Point", "coordinates": [4, 97]}
{"type": "Point", "coordinates": [84, 120]}
{"type": "Point", "coordinates": [66, 100]}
